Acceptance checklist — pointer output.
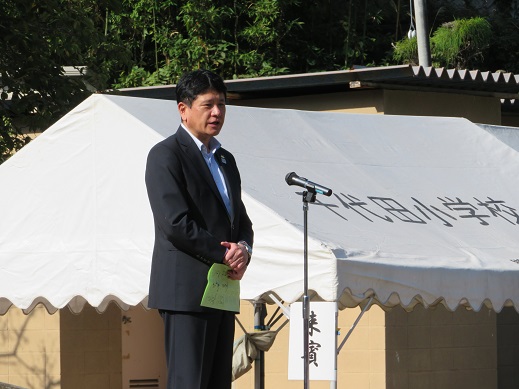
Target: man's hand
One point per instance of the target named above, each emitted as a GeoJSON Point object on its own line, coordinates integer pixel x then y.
{"type": "Point", "coordinates": [236, 274]}
{"type": "Point", "coordinates": [236, 256]}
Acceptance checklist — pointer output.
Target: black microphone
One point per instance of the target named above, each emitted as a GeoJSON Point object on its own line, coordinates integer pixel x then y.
{"type": "Point", "coordinates": [294, 179]}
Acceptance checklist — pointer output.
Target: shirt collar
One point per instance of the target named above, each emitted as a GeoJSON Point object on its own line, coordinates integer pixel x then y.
{"type": "Point", "coordinates": [213, 143]}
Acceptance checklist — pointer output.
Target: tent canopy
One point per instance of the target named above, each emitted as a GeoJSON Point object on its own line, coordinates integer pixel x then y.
{"type": "Point", "coordinates": [424, 209]}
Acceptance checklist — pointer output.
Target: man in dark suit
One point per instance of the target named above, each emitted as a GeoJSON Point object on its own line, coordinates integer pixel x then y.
{"type": "Point", "coordinates": [194, 189]}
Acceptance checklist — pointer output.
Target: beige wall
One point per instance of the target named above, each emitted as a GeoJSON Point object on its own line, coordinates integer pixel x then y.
{"type": "Point", "coordinates": [477, 109]}
{"type": "Point", "coordinates": [30, 349]}
{"type": "Point", "coordinates": [422, 349]}
{"type": "Point", "coordinates": [143, 355]}
{"type": "Point", "coordinates": [439, 349]}
{"type": "Point", "coordinates": [361, 363]}
{"type": "Point", "coordinates": [508, 349]}
{"type": "Point", "coordinates": [91, 349]}
{"type": "Point", "coordinates": [361, 101]}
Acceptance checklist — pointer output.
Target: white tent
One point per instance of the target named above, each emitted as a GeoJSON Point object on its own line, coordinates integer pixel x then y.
{"type": "Point", "coordinates": [424, 209]}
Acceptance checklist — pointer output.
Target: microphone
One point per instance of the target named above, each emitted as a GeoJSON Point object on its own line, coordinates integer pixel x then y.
{"type": "Point", "coordinates": [294, 179]}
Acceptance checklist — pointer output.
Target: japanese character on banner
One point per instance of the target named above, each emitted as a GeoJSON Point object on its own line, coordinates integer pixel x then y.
{"type": "Point", "coordinates": [321, 341]}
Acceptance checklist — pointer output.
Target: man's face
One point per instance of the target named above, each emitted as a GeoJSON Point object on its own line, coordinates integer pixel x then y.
{"type": "Point", "coordinates": [204, 119]}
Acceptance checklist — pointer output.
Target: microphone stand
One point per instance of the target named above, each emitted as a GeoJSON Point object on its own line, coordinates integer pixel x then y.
{"type": "Point", "coordinates": [308, 197]}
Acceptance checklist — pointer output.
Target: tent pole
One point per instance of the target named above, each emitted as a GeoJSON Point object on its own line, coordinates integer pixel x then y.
{"type": "Point", "coordinates": [355, 324]}
{"type": "Point", "coordinates": [259, 362]}
{"type": "Point", "coordinates": [333, 383]}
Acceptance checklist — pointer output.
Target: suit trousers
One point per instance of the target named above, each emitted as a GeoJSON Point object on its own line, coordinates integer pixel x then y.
{"type": "Point", "coordinates": [199, 348]}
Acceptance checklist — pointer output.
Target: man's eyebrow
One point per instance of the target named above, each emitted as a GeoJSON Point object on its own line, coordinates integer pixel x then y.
{"type": "Point", "coordinates": [211, 99]}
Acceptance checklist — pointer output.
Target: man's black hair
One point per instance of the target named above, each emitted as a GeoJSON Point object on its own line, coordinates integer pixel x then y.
{"type": "Point", "coordinates": [197, 82]}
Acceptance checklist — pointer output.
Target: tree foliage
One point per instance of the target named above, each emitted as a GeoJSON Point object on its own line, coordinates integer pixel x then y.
{"type": "Point", "coordinates": [461, 43]}
{"type": "Point", "coordinates": [503, 53]}
{"type": "Point", "coordinates": [235, 38]}
{"type": "Point", "coordinates": [38, 39]}
{"type": "Point", "coordinates": [405, 51]}
{"type": "Point", "coordinates": [458, 44]}
{"type": "Point", "coordinates": [254, 38]}
{"type": "Point", "coordinates": [128, 43]}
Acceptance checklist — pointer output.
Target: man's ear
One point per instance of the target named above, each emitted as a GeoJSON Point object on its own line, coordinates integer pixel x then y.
{"type": "Point", "coordinates": [182, 110]}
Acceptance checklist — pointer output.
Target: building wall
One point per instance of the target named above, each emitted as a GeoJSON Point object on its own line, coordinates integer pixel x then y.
{"type": "Point", "coordinates": [361, 363]}
{"type": "Point", "coordinates": [510, 119]}
{"type": "Point", "coordinates": [143, 355]}
{"type": "Point", "coordinates": [478, 109]}
{"type": "Point", "coordinates": [91, 354]}
{"type": "Point", "coordinates": [30, 349]}
{"type": "Point", "coordinates": [508, 349]}
{"type": "Point", "coordinates": [361, 101]}
{"type": "Point", "coordinates": [422, 349]}
{"type": "Point", "coordinates": [439, 349]}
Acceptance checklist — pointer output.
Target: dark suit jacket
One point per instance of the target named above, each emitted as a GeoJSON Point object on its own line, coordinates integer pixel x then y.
{"type": "Point", "coordinates": [190, 220]}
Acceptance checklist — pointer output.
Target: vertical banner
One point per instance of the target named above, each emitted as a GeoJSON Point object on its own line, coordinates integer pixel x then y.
{"type": "Point", "coordinates": [321, 344]}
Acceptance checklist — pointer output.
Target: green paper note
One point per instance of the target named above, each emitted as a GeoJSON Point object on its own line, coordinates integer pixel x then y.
{"type": "Point", "coordinates": [221, 292]}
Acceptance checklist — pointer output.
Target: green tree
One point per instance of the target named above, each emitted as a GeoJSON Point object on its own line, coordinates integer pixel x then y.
{"type": "Point", "coordinates": [237, 38]}
{"type": "Point", "coordinates": [405, 51]}
{"type": "Point", "coordinates": [503, 53]}
{"type": "Point", "coordinates": [38, 40]}
{"type": "Point", "coordinates": [127, 43]}
{"type": "Point", "coordinates": [459, 44]}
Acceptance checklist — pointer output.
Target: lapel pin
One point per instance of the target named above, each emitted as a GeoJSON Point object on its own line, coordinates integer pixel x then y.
{"type": "Point", "coordinates": [222, 158]}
